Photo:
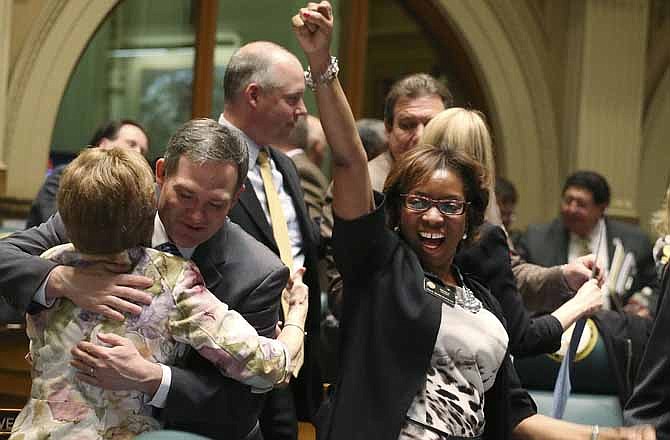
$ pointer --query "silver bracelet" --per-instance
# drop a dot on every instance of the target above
(595, 431)
(296, 326)
(330, 74)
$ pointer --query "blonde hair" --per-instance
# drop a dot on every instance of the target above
(107, 200)
(463, 129)
(660, 220)
(466, 130)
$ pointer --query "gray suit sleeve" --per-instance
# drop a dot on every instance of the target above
(22, 271)
(45, 204)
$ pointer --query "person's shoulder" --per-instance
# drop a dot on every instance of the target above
(241, 246)
(308, 169)
(488, 230)
(544, 228)
(617, 226)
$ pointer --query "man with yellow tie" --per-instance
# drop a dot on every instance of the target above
(263, 87)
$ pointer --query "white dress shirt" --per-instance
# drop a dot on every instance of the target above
(290, 214)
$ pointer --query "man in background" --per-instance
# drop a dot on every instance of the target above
(312, 180)
(263, 88)
(410, 104)
(317, 146)
(577, 232)
(507, 198)
(373, 135)
(124, 133)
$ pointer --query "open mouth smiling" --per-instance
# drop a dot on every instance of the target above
(431, 240)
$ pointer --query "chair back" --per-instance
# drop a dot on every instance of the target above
(594, 398)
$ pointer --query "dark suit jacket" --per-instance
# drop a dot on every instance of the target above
(547, 245)
(650, 402)
(250, 216)
(314, 185)
(389, 327)
(488, 261)
(236, 268)
(45, 203)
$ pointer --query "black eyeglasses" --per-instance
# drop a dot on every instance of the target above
(418, 203)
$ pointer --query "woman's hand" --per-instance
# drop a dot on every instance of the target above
(313, 27)
(640, 432)
(587, 301)
(589, 297)
(579, 271)
(293, 332)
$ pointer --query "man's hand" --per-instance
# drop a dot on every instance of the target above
(579, 271)
(99, 289)
(296, 296)
(118, 367)
(313, 27)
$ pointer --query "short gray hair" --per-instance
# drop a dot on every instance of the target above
(252, 63)
(205, 140)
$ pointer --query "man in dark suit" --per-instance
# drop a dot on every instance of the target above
(263, 88)
(125, 133)
(200, 180)
(586, 195)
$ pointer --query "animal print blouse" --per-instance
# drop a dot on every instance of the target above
(183, 312)
(470, 347)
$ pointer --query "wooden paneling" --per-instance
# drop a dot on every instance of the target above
(203, 77)
(353, 51)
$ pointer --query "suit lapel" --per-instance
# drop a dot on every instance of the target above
(249, 202)
(610, 241)
(209, 255)
(557, 243)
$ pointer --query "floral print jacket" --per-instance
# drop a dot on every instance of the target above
(183, 312)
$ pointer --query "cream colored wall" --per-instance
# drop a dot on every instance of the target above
(508, 48)
(51, 36)
(655, 161)
(564, 101)
(5, 34)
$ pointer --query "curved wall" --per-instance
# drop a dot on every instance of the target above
(39, 77)
(655, 162)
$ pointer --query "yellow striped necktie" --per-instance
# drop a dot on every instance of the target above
(279, 231)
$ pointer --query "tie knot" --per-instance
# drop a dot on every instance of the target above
(169, 248)
(584, 246)
(263, 157)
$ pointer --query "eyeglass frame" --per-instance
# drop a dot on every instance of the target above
(435, 203)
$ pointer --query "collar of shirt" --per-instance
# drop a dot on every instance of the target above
(254, 148)
(594, 235)
(294, 152)
(160, 236)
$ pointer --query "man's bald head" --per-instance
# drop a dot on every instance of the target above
(255, 63)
